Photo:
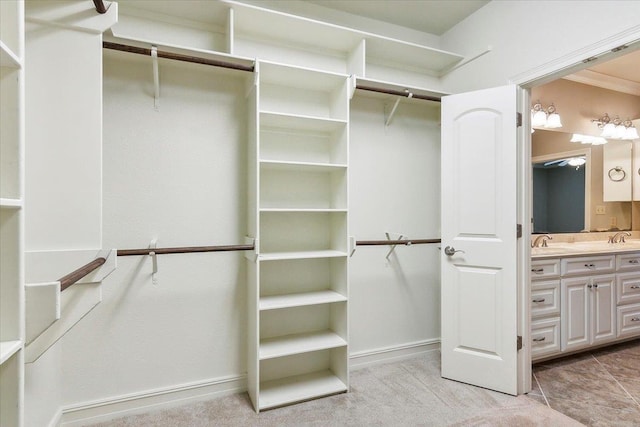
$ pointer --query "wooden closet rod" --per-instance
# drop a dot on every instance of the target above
(73, 277)
(399, 93)
(176, 56)
(184, 250)
(407, 242)
(100, 6)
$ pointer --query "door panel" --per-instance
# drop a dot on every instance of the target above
(479, 188)
(604, 314)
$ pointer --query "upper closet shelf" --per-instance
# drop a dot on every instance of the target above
(10, 203)
(8, 58)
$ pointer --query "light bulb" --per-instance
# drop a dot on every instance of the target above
(577, 161)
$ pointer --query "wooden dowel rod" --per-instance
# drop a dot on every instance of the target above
(73, 277)
(396, 242)
(185, 250)
(177, 56)
(100, 6)
(399, 93)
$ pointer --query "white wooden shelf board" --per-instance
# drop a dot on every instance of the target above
(271, 25)
(299, 388)
(405, 54)
(382, 84)
(299, 343)
(301, 166)
(302, 210)
(274, 302)
(182, 50)
(299, 77)
(8, 349)
(8, 58)
(6, 203)
(299, 122)
(276, 256)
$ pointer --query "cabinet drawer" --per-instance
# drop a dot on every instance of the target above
(629, 320)
(628, 262)
(545, 269)
(545, 337)
(545, 298)
(586, 265)
(628, 287)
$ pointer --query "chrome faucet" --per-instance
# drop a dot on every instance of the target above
(541, 241)
(619, 237)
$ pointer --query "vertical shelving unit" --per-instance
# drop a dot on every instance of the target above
(298, 215)
(11, 211)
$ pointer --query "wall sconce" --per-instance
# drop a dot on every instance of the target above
(616, 128)
(548, 118)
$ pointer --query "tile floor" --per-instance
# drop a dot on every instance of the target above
(597, 388)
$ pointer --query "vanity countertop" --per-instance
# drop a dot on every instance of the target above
(557, 250)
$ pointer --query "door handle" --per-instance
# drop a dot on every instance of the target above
(449, 251)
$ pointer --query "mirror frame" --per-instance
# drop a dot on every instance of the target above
(586, 152)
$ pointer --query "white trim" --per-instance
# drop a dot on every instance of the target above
(594, 78)
(55, 421)
(134, 403)
(573, 61)
(364, 359)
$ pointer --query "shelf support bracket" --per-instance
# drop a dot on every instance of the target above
(393, 247)
(465, 61)
(352, 245)
(156, 78)
(154, 260)
(388, 117)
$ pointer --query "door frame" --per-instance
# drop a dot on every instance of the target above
(577, 60)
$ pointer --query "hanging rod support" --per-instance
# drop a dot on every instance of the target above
(100, 8)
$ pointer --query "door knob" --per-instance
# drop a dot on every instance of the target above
(451, 250)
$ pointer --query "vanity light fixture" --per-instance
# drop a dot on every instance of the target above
(616, 128)
(546, 118)
(577, 161)
(588, 139)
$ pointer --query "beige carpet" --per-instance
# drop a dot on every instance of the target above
(404, 393)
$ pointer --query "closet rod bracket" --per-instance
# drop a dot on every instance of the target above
(156, 78)
(393, 246)
(154, 260)
(388, 117)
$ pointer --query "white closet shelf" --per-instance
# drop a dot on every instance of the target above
(299, 343)
(292, 76)
(8, 58)
(302, 210)
(274, 302)
(301, 166)
(402, 54)
(276, 256)
(299, 388)
(275, 119)
(8, 349)
(6, 203)
(382, 84)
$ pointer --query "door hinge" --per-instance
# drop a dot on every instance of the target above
(518, 119)
(518, 231)
(519, 343)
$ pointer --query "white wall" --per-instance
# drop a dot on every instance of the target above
(527, 34)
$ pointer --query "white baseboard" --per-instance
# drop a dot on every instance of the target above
(364, 359)
(136, 403)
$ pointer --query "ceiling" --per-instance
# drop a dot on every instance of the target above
(429, 16)
(619, 74)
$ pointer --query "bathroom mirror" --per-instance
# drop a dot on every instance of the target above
(566, 198)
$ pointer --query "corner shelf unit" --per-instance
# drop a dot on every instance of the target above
(11, 212)
(298, 216)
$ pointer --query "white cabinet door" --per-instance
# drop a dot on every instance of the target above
(479, 283)
(574, 314)
(603, 313)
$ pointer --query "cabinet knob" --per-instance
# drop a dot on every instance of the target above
(590, 265)
(539, 300)
(634, 287)
(589, 286)
(595, 285)
(537, 270)
(539, 339)
(635, 319)
(633, 261)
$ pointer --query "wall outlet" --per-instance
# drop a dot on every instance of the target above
(600, 210)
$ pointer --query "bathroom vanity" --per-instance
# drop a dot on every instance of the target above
(583, 294)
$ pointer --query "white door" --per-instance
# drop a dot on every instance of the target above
(479, 208)
(603, 320)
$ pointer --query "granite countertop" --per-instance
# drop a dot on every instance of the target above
(557, 250)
